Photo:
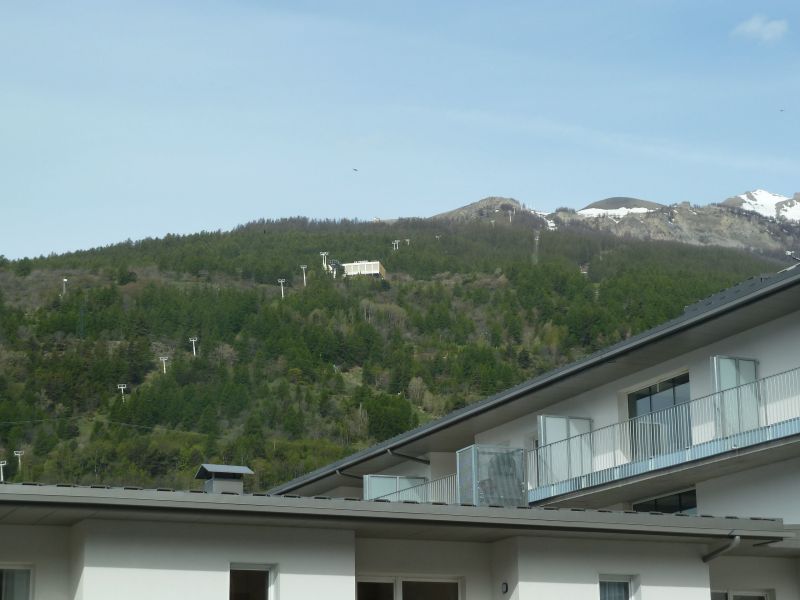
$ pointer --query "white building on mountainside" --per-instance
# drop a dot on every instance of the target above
(364, 267)
(595, 481)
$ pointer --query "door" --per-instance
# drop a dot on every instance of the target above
(565, 449)
(738, 405)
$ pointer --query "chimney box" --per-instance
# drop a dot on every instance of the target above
(222, 478)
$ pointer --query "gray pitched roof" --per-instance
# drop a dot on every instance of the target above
(208, 470)
(742, 294)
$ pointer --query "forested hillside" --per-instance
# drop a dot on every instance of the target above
(286, 385)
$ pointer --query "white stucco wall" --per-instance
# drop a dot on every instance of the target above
(45, 550)
(442, 464)
(560, 569)
(505, 569)
(155, 560)
(769, 491)
(746, 573)
(468, 562)
(131, 561)
(409, 468)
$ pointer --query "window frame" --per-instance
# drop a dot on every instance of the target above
(269, 568)
(22, 566)
(755, 594)
(653, 381)
(729, 417)
(715, 370)
(646, 436)
(631, 580)
(397, 581)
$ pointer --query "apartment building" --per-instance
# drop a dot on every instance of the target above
(698, 416)
(666, 466)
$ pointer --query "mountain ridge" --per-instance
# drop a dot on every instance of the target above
(757, 221)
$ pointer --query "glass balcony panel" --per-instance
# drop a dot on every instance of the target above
(492, 475)
(379, 485)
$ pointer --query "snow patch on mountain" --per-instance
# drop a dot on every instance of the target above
(613, 212)
(761, 201)
(619, 207)
(551, 225)
(790, 208)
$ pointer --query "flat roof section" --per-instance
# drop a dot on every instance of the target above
(27, 504)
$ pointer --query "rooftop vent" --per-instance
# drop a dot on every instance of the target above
(222, 478)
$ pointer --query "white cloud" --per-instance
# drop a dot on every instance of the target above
(760, 28)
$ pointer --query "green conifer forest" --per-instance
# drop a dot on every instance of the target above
(287, 385)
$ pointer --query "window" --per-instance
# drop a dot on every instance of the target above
(375, 590)
(397, 588)
(683, 502)
(739, 595)
(615, 588)
(429, 590)
(662, 421)
(664, 394)
(249, 582)
(15, 584)
(376, 486)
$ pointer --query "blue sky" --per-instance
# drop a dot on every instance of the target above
(134, 119)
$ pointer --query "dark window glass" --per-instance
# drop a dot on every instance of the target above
(682, 393)
(669, 504)
(639, 402)
(615, 590)
(374, 590)
(672, 503)
(248, 585)
(430, 590)
(15, 584)
(688, 501)
(646, 506)
(658, 397)
(663, 396)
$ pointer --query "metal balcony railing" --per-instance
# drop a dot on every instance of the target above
(766, 409)
(443, 490)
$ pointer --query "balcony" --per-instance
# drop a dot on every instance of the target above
(766, 410)
(438, 491)
(751, 414)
